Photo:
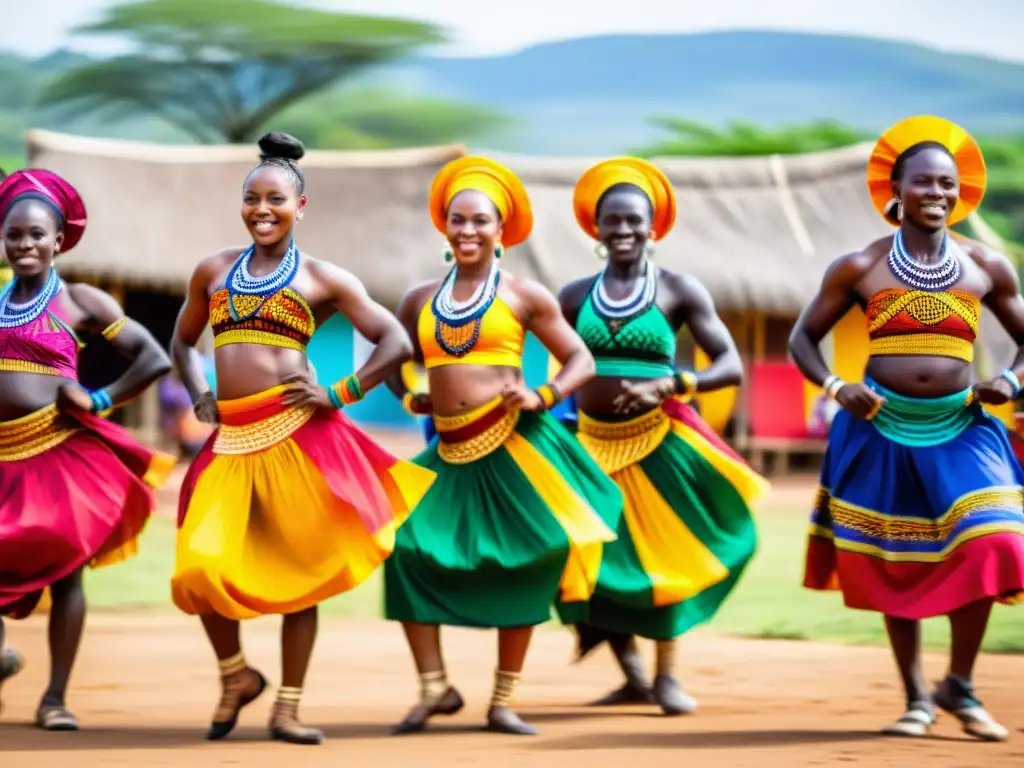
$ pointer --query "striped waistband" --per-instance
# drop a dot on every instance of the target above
(615, 445)
(12, 365)
(257, 422)
(917, 421)
(472, 435)
(34, 433)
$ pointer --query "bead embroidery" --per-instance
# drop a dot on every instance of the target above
(12, 315)
(247, 293)
(617, 313)
(925, 277)
(457, 324)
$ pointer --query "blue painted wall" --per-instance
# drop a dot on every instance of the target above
(336, 351)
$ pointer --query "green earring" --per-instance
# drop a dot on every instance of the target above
(448, 255)
(498, 251)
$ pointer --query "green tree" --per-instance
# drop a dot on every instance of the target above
(1003, 207)
(381, 119)
(221, 69)
(739, 138)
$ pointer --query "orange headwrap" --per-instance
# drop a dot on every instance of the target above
(625, 170)
(498, 183)
(914, 130)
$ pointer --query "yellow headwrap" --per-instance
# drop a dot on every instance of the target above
(498, 183)
(625, 170)
(899, 138)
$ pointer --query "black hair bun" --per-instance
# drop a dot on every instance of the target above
(281, 145)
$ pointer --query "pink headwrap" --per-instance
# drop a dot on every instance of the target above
(50, 188)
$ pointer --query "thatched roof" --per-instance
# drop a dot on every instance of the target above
(756, 231)
(155, 210)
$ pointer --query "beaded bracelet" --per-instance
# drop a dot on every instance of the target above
(101, 400)
(685, 383)
(345, 392)
(549, 395)
(1011, 377)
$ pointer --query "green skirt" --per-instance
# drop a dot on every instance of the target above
(505, 533)
(687, 532)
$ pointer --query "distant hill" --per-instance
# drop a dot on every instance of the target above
(597, 95)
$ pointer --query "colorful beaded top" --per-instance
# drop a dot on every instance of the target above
(914, 322)
(262, 310)
(481, 331)
(34, 337)
(631, 338)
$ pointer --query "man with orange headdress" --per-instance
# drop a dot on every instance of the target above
(687, 532)
(921, 506)
(518, 513)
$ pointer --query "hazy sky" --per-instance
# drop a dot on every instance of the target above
(994, 27)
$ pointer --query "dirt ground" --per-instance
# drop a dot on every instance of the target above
(145, 687)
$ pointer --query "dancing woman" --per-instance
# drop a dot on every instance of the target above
(687, 532)
(75, 489)
(288, 503)
(518, 513)
(921, 509)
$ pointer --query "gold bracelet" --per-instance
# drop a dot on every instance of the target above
(110, 332)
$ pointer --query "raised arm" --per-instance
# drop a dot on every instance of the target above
(834, 299)
(104, 316)
(1006, 303)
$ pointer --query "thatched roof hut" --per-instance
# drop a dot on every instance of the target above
(759, 232)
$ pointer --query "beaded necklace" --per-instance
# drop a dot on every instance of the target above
(246, 293)
(13, 315)
(925, 277)
(616, 313)
(457, 323)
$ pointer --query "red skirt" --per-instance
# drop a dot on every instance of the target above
(75, 490)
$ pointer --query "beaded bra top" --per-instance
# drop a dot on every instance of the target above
(631, 337)
(905, 321)
(927, 318)
(481, 331)
(35, 337)
(262, 310)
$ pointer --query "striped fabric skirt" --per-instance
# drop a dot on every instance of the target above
(517, 519)
(687, 532)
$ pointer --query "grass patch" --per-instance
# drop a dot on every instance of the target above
(768, 603)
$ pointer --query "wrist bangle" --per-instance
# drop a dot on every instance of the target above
(409, 403)
(346, 392)
(1011, 377)
(549, 395)
(832, 385)
(684, 383)
(101, 400)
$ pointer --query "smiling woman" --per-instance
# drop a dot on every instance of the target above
(920, 511)
(75, 489)
(288, 503)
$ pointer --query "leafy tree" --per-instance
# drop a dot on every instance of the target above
(374, 119)
(739, 138)
(1003, 208)
(220, 69)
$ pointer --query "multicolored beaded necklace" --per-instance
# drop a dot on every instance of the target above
(457, 323)
(12, 315)
(246, 293)
(925, 277)
(616, 313)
